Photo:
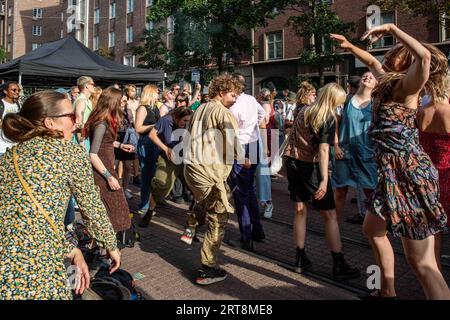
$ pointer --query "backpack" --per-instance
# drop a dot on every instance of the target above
(116, 286)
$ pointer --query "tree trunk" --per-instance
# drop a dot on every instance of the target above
(321, 76)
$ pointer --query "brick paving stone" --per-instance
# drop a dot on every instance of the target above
(177, 263)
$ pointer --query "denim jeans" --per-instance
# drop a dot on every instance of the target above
(148, 154)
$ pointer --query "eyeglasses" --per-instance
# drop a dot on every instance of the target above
(181, 101)
(71, 115)
(15, 90)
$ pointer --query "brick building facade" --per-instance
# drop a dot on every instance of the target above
(114, 27)
(278, 48)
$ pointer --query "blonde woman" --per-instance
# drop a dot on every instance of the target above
(306, 95)
(95, 96)
(307, 156)
(146, 117)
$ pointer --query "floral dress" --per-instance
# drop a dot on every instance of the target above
(407, 192)
(31, 253)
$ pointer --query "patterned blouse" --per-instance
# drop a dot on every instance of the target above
(31, 254)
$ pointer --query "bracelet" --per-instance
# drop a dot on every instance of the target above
(120, 145)
(106, 174)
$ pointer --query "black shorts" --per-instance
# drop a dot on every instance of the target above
(304, 180)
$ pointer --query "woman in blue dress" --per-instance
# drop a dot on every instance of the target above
(355, 164)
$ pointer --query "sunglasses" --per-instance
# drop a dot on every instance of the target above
(71, 115)
(14, 90)
(181, 100)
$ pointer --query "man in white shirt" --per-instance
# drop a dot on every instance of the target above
(249, 114)
(9, 104)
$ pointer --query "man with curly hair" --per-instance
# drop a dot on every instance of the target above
(213, 132)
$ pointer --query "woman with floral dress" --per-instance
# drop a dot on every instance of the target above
(406, 198)
(48, 166)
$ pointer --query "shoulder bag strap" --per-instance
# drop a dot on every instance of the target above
(30, 194)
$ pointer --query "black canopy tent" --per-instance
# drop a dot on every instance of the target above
(61, 62)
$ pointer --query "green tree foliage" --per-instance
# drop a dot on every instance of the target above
(208, 33)
(153, 52)
(106, 53)
(3, 54)
(417, 7)
(314, 22)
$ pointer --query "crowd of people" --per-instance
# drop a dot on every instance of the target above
(387, 136)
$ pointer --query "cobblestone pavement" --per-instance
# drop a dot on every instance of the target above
(169, 266)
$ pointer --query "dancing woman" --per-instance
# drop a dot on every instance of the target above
(406, 199)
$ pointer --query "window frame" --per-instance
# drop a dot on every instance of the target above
(274, 43)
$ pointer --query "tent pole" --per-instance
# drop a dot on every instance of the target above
(20, 77)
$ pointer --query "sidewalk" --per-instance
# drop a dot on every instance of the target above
(169, 266)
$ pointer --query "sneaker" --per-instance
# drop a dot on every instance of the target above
(208, 275)
(268, 210)
(128, 194)
(188, 235)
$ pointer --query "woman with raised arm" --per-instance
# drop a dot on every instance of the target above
(406, 199)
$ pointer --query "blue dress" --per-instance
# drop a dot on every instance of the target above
(358, 168)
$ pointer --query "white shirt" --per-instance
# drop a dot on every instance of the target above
(9, 108)
(248, 113)
(288, 109)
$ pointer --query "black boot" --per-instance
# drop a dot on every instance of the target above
(341, 270)
(247, 245)
(146, 219)
(302, 263)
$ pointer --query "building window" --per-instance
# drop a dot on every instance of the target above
(97, 16)
(112, 10)
(129, 34)
(130, 6)
(9, 28)
(34, 46)
(112, 39)
(96, 43)
(129, 60)
(148, 3)
(9, 11)
(386, 41)
(9, 47)
(37, 13)
(37, 31)
(149, 25)
(170, 24)
(274, 45)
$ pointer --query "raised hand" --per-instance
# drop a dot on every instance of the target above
(343, 42)
(376, 33)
